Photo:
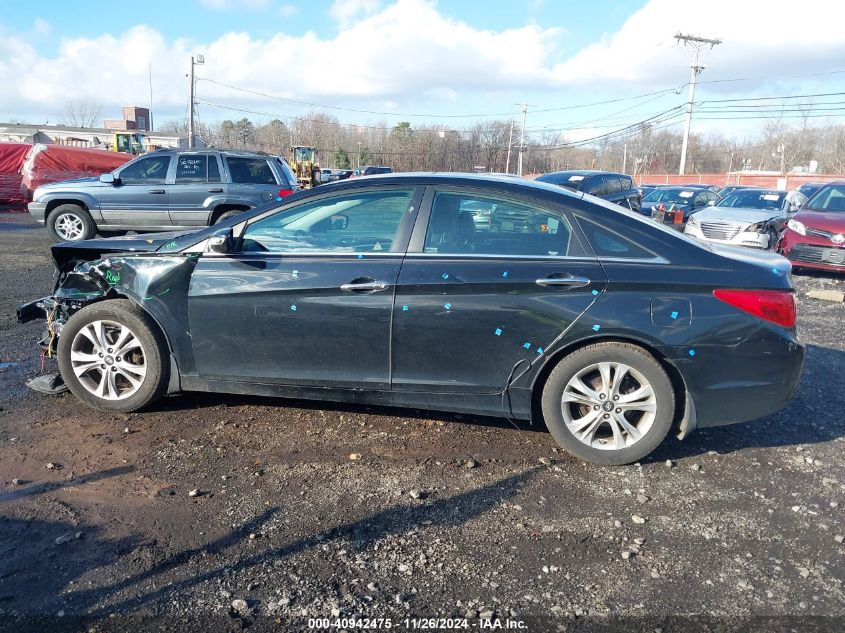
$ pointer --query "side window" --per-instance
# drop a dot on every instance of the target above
(701, 199)
(191, 168)
(465, 223)
(595, 186)
(254, 171)
(360, 222)
(614, 184)
(626, 183)
(150, 170)
(213, 169)
(607, 243)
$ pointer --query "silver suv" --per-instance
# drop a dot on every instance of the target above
(164, 190)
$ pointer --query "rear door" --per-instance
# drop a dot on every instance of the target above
(197, 179)
(139, 198)
(475, 301)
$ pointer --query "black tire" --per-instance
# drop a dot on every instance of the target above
(153, 347)
(228, 214)
(88, 230)
(613, 352)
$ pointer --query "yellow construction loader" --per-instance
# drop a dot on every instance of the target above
(305, 166)
(129, 142)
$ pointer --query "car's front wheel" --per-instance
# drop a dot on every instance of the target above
(70, 223)
(609, 403)
(113, 357)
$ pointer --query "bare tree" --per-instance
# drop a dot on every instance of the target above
(82, 113)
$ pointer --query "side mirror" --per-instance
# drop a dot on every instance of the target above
(108, 179)
(221, 242)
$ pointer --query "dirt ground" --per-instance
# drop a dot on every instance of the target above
(735, 528)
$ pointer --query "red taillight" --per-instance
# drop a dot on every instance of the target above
(285, 192)
(777, 306)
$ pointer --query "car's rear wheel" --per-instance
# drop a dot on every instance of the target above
(113, 357)
(70, 223)
(609, 403)
(228, 214)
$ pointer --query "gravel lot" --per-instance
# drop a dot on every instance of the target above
(310, 511)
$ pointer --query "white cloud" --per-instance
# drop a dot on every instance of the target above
(772, 39)
(409, 53)
(346, 11)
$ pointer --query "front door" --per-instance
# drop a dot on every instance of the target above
(308, 299)
(139, 195)
(489, 283)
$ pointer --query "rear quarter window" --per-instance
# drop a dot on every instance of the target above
(255, 171)
(609, 243)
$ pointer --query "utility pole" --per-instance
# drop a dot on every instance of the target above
(521, 138)
(200, 59)
(624, 157)
(510, 144)
(695, 69)
(150, 122)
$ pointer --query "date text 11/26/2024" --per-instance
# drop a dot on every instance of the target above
(418, 624)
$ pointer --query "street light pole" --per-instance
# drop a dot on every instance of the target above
(200, 59)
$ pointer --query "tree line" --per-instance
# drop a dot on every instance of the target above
(647, 149)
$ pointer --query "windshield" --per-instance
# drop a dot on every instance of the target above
(753, 199)
(831, 198)
(676, 196)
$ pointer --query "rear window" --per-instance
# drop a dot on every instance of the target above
(676, 196)
(255, 171)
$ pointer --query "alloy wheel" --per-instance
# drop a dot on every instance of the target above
(69, 227)
(608, 406)
(108, 359)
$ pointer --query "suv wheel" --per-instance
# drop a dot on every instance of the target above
(70, 223)
(609, 403)
(113, 357)
(228, 214)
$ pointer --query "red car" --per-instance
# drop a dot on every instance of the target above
(815, 236)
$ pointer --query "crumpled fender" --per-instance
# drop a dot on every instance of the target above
(149, 281)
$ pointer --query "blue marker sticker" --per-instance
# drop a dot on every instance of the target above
(448, 306)
(505, 274)
(498, 331)
(539, 350)
(674, 314)
(360, 256)
(776, 271)
(278, 198)
(293, 308)
(404, 308)
(595, 292)
(596, 328)
(445, 275)
(527, 345)
(691, 352)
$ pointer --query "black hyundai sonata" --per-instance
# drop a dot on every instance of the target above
(388, 290)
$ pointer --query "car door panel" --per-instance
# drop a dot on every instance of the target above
(466, 322)
(285, 319)
(319, 318)
(196, 182)
(138, 202)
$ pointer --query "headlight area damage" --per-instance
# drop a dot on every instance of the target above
(146, 279)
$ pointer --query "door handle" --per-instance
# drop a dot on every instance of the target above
(215, 190)
(366, 286)
(569, 281)
(156, 191)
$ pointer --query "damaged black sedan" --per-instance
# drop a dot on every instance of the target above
(388, 290)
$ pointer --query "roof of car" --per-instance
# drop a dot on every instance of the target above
(582, 172)
(465, 178)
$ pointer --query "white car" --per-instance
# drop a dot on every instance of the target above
(747, 217)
